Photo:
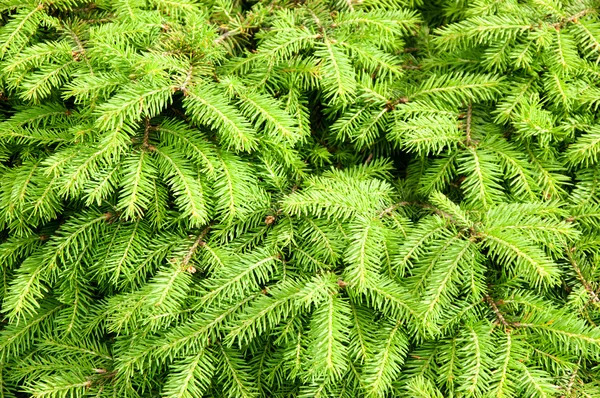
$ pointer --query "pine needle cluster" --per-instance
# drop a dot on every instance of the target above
(280, 198)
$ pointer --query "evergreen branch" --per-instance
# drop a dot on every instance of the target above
(190, 377)
(339, 81)
(530, 261)
(318, 199)
(209, 106)
(17, 32)
(188, 191)
(584, 282)
(18, 338)
(379, 372)
(134, 102)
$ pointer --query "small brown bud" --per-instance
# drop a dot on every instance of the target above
(342, 284)
(269, 220)
(191, 269)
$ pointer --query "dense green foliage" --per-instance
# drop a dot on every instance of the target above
(321, 198)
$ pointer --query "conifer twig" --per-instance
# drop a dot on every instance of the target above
(199, 242)
(81, 48)
(573, 18)
(188, 78)
(569, 386)
(146, 140)
(584, 282)
(437, 211)
(496, 310)
(468, 126)
(225, 35)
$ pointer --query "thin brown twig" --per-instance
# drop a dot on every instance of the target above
(198, 242)
(468, 127)
(393, 207)
(147, 132)
(437, 211)
(188, 78)
(573, 18)
(146, 141)
(581, 278)
(499, 315)
(81, 51)
(569, 386)
(224, 36)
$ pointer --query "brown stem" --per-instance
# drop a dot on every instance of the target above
(147, 133)
(198, 242)
(81, 51)
(468, 127)
(580, 276)
(393, 207)
(573, 18)
(225, 35)
(317, 21)
(423, 205)
(188, 78)
(569, 386)
(499, 315)
(146, 141)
